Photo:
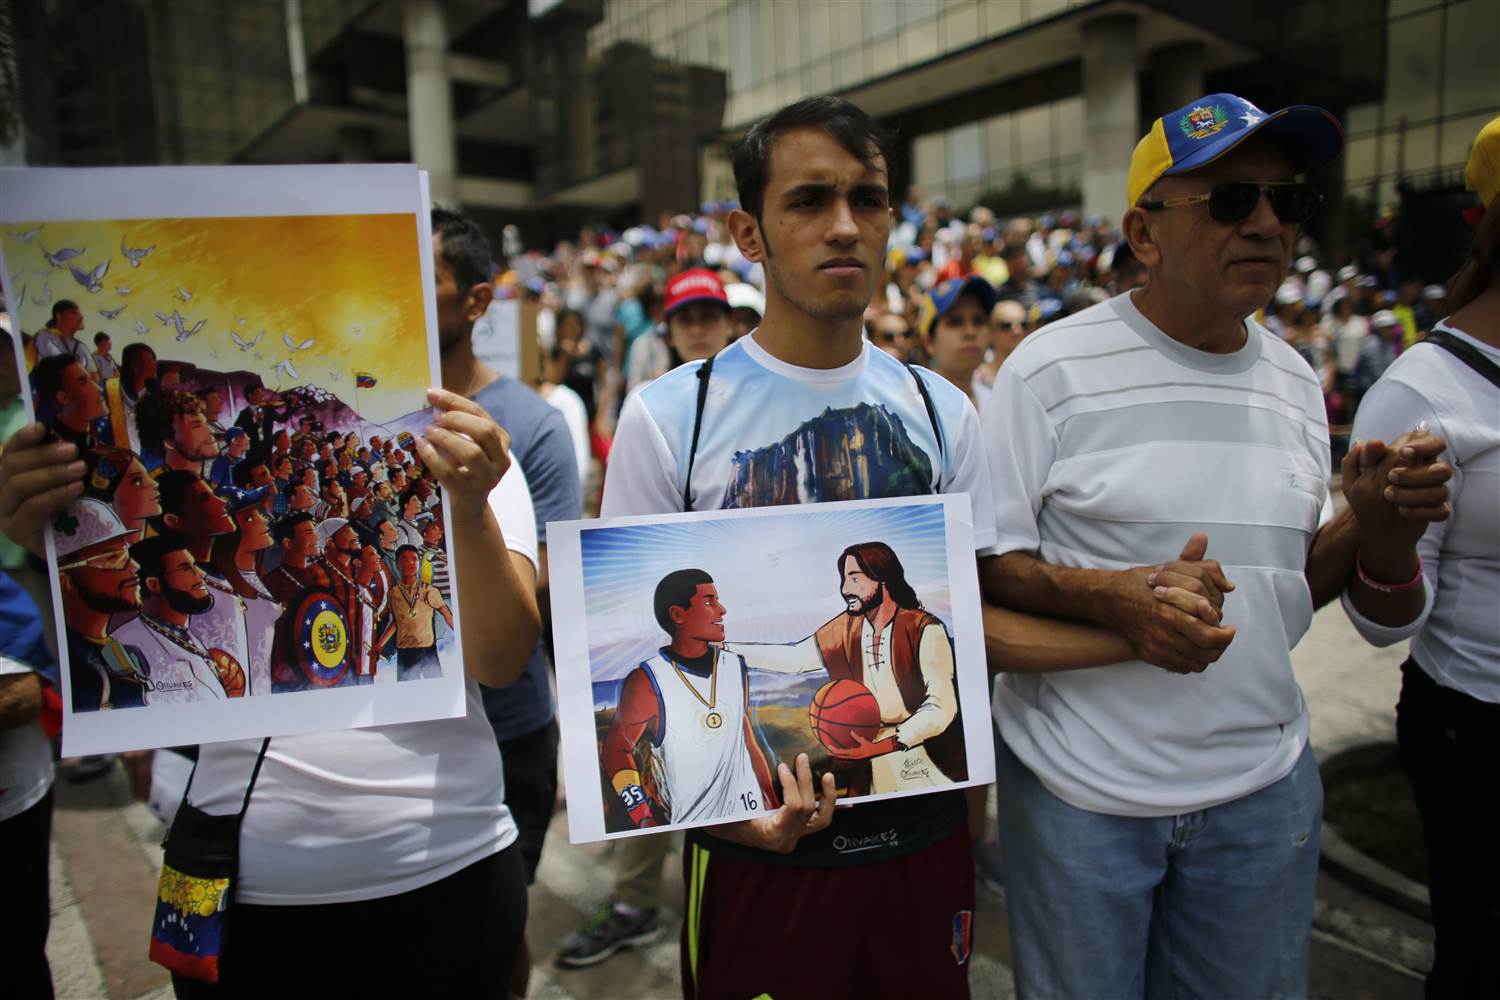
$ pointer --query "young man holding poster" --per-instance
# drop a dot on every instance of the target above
(815, 194)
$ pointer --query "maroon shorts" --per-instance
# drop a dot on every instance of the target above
(901, 927)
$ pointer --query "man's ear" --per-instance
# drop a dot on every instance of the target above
(678, 615)
(477, 301)
(1136, 228)
(745, 231)
(172, 521)
(152, 584)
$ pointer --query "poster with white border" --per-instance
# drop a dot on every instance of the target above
(697, 651)
(242, 362)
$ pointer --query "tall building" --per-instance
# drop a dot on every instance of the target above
(548, 113)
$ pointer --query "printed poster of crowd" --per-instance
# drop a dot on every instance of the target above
(255, 519)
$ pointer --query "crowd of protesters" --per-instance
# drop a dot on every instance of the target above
(1138, 703)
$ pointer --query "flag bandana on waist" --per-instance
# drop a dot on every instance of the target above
(186, 932)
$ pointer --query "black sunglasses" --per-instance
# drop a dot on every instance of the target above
(1293, 201)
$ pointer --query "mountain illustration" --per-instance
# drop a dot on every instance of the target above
(853, 453)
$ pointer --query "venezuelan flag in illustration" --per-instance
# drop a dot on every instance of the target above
(185, 933)
(364, 380)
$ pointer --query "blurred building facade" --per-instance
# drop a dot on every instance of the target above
(551, 112)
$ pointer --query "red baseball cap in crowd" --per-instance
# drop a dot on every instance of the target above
(696, 285)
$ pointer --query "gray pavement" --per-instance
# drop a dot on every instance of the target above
(106, 853)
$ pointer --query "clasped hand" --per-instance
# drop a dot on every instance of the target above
(1171, 615)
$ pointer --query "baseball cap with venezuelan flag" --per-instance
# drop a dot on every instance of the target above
(1196, 134)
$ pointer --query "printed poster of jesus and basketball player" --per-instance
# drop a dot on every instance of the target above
(241, 357)
(713, 645)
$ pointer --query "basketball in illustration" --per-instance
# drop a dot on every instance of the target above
(840, 709)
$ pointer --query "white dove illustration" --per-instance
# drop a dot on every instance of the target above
(123, 290)
(295, 347)
(244, 344)
(165, 319)
(112, 313)
(45, 299)
(184, 331)
(91, 280)
(134, 255)
(184, 294)
(62, 256)
(142, 328)
(25, 237)
(286, 369)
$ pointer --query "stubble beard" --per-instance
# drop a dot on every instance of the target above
(825, 311)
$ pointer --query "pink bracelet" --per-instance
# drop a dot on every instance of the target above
(1388, 588)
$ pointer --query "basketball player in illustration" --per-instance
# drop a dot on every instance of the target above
(691, 701)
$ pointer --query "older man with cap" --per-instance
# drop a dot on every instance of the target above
(98, 580)
(1161, 813)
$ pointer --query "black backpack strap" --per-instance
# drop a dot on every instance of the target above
(937, 428)
(703, 375)
(1465, 352)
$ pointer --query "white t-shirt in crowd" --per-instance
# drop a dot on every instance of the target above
(1457, 637)
(25, 758)
(570, 405)
(1348, 334)
(772, 434)
(367, 813)
(1110, 444)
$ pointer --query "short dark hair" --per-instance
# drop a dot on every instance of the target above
(841, 120)
(288, 524)
(402, 550)
(61, 306)
(150, 553)
(240, 474)
(878, 561)
(463, 247)
(47, 378)
(156, 411)
(676, 590)
(100, 338)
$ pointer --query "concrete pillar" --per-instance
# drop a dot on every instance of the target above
(356, 144)
(1111, 101)
(429, 101)
(1176, 76)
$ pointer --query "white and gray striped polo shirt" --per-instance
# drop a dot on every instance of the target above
(1110, 444)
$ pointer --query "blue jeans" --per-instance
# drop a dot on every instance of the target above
(1213, 903)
